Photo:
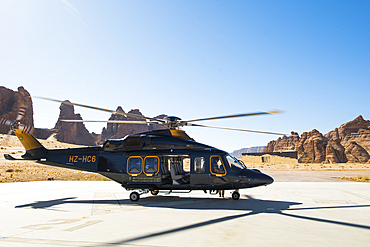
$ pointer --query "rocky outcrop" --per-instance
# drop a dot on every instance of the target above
(42, 133)
(357, 130)
(75, 133)
(311, 146)
(356, 154)
(313, 143)
(335, 152)
(120, 130)
(348, 143)
(285, 143)
(10, 102)
(269, 147)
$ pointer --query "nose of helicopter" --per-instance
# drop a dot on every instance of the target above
(267, 179)
(258, 179)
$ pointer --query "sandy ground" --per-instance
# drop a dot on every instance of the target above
(23, 171)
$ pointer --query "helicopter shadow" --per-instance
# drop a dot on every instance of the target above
(254, 206)
(176, 202)
(248, 206)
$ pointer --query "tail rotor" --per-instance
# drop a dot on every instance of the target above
(21, 112)
(16, 124)
(4, 121)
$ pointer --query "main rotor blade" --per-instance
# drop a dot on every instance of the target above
(233, 116)
(108, 121)
(225, 128)
(102, 109)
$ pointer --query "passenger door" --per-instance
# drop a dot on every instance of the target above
(199, 177)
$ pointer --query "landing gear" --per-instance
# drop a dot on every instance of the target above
(235, 195)
(154, 192)
(134, 196)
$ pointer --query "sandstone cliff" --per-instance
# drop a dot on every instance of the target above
(120, 130)
(75, 133)
(335, 152)
(348, 143)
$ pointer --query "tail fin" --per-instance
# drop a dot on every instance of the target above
(34, 149)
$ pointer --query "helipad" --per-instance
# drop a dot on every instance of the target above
(55, 213)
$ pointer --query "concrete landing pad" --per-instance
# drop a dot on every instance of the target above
(90, 213)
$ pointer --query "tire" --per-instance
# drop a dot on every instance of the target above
(235, 195)
(134, 196)
(154, 192)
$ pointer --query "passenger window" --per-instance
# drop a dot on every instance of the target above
(217, 166)
(199, 165)
(134, 165)
(186, 164)
(151, 165)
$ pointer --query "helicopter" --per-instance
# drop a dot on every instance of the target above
(164, 160)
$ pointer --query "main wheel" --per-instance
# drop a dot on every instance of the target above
(134, 196)
(235, 195)
(154, 192)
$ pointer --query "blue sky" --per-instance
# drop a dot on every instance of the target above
(193, 59)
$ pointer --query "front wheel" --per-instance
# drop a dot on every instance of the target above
(134, 196)
(235, 195)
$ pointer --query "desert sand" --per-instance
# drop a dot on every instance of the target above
(24, 171)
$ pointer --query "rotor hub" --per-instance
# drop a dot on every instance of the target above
(173, 122)
(15, 125)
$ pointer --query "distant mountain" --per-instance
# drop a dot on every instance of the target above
(238, 153)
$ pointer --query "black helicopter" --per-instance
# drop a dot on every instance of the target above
(159, 160)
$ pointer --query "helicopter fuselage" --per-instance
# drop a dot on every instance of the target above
(159, 160)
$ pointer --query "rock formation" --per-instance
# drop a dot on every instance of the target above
(348, 143)
(356, 154)
(284, 143)
(270, 147)
(120, 130)
(75, 133)
(312, 143)
(335, 152)
(10, 102)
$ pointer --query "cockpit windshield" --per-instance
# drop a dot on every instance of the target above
(234, 163)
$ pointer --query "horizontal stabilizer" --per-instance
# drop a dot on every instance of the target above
(9, 157)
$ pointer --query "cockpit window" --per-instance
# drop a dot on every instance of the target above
(234, 163)
(217, 166)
